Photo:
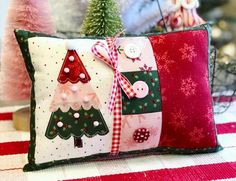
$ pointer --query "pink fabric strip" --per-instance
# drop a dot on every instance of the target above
(120, 81)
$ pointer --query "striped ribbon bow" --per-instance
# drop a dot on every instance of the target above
(119, 82)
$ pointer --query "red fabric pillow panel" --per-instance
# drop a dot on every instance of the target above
(182, 61)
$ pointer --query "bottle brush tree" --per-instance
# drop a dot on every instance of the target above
(102, 19)
(33, 15)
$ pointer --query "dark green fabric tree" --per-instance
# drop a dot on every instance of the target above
(77, 124)
(102, 19)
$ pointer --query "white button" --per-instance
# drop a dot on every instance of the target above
(132, 51)
(82, 75)
(76, 115)
(141, 89)
(66, 70)
(71, 58)
(95, 123)
(60, 124)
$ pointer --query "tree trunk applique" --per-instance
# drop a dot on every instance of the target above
(75, 106)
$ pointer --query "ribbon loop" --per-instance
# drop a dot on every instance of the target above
(120, 81)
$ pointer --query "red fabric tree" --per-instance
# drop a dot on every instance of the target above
(73, 69)
(33, 15)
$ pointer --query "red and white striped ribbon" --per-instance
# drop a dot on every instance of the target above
(120, 81)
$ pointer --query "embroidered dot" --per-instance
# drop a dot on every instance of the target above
(76, 115)
(60, 124)
(63, 96)
(82, 76)
(74, 88)
(71, 58)
(66, 70)
(86, 99)
(95, 123)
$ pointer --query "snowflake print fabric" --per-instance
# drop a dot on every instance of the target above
(188, 87)
(196, 135)
(178, 119)
(164, 62)
(182, 66)
(188, 52)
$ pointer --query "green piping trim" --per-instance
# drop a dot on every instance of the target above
(122, 155)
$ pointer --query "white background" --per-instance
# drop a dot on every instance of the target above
(3, 10)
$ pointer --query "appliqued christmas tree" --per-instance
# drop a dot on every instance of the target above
(75, 106)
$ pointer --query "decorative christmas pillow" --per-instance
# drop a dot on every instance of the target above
(95, 99)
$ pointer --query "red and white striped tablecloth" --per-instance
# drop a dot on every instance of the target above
(214, 166)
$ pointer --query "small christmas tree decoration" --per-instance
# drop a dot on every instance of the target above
(32, 15)
(102, 19)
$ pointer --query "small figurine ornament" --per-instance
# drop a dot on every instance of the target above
(184, 16)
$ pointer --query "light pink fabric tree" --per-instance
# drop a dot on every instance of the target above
(31, 15)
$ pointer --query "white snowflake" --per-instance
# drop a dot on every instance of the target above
(188, 87)
(196, 135)
(164, 62)
(188, 52)
(178, 119)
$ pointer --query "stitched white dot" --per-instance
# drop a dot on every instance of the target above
(71, 58)
(76, 115)
(60, 124)
(82, 75)
(95, 123)
(66, 70)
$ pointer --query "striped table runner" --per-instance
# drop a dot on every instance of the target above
(215, 166)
